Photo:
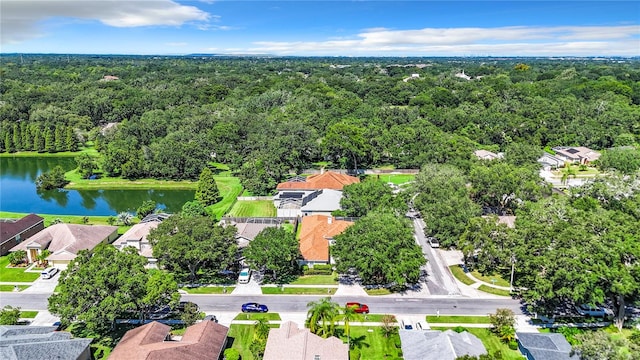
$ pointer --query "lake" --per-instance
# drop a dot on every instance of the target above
(18, 192)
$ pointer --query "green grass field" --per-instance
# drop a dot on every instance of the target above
(15, 274)
(10, 288)
(88, 149)
(375, 292)
(76, 182)
(491, 342)
(230, 188)
(297, 291)
(28, 314)
(489, 279)
(209, 290)
(69, 219)
(316, 280)
(253, 208)
(371, 344)
(455, 319)
(241, 337)
(256, 316)
(494, 291)
(459, 274)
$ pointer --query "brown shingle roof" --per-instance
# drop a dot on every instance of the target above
(314, 234)
(291, 343)
(327, 180)
(202, 341)
(9, 229)
(69, 237)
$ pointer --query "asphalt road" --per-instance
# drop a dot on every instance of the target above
(293, 303)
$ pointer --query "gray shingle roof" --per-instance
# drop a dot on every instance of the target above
(40, 342)
(551, 346)
(438, 345)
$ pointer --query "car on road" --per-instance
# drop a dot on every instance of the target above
(48, 273)
(358, 307)
(433, 242)
(595, 311)
(245, 276)
(254, 307)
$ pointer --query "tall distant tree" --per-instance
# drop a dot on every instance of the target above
(95, 289)
(207, 192)
(17, 138)
(38, 139)
(71, 140)
(347, 140)
(627, 161)
(276, 250)
(59, 138)
(86, 165)
(8, 143)
(27, 140)
(194, 248)
(49, 141)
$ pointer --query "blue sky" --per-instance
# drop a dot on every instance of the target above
(319, 28)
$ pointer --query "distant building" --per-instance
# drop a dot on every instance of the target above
(109, 78)
(292, 343)
(576, 154)
(439, 345)
(13, 231)
(19, 342)
(316, 235)
(203, 341)
(136, 237)
(487, 155)
(550, 162)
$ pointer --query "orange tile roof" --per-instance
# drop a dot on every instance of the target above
(327, 180)
(314, 234)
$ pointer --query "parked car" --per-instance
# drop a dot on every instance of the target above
(159, 312)
(406, 324)
(254, 307)
(57, 325)
(210, 318)
(245, 276)
(358, 307)
(433, 242)
(48, 273)
(595, 311)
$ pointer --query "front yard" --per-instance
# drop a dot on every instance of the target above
(316, 280)
(11, 274)
(209, 290)
(275, 290)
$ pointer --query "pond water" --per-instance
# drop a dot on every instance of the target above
(18, 192)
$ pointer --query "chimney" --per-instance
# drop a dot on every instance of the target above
(329, 220)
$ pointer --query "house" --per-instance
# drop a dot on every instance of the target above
(247, 231)
(109, 78)
(292, 343)
(316, 234)
(508, 220)
(65, 240)
(13, 231)
(576, 154)
(19, 342)
(549, 161)
(299, 192)
(203, 341)
(137, 237)
(487, 155)
(549, 346)
(439, 345)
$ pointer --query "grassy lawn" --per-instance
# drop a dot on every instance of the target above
(10, 288)
(371, 344)
(68, 219)
(297, 291)
(209, 290)
(454, 319)
(240, 338)
(288, 227)
(491, 342)
(489, 278)
(28, 314)
(494, 291)
(397, 179)
(368, 318)
(253, 208)
(14, 274)
(230, 188)
(78, 183)
(590, 171)
(378, 291)
(256, 316)
(316, 280)
(458, 272)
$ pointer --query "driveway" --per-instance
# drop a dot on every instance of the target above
(43, 286)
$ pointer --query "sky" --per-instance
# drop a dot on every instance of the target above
(322, 28)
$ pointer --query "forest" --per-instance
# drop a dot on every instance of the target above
(167, 117)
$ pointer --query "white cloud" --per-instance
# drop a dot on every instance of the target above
(514, 40)
(20, 18)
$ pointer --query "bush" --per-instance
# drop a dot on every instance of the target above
(231, 354)
(17, 257)
(354, 354)
(459, 329)
(318, 270)
(513, 345)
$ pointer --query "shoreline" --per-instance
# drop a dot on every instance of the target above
(49, 219)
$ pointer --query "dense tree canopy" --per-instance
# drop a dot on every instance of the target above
(360, 198)
(275, 250)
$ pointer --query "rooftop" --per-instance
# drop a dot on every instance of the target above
(327, 180)
(19, 342)
(12, 227)
(315, 232)
(292, 343)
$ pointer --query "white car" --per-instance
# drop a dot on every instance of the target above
(433, 242)
(245, 276)
(48, 273)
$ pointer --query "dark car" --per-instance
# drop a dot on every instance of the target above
(183, 305)
(254, 307)
(159, 312)
(359, 308)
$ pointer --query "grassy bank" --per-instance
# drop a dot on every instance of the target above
(494, 291)
(50, 219)
(83, 150)
(494, 279)
(76, 182)
(256, 316)
(230, 188)
(269, 290)
(459, 274)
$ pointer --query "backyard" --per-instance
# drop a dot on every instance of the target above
(253, 208)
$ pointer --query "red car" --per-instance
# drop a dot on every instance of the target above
(358, 308)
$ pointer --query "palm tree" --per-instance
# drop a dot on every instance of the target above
(348, 314)
(321, 317)
(568, 171)
(261, 329)
(125, 218)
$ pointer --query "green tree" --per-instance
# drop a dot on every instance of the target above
(627, 161)
(360, 198)
(8, 143)
(231, 354)
(347, 140)
(53, 179)
(275, 250)
(388, 327)
(147, 207)
(190, 315)
(443, 200)
(207, 192)
(192, 209)
(59, 138)
(95, 290)
(381, 247)
(125, 218)
(597, 345)
(9, 315)
(17, 257)
(71, 140)
(194, 248)
(38, 139)
(503, 322)
(321, 317)
(261, 329)
(486, 245)
(49, 141)
(348, 313)
(86, 165)
(17, 138)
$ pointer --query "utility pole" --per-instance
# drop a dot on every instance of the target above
(513, 266)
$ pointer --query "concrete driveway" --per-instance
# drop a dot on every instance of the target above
(43, 286)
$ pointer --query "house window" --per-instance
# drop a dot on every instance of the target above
(18, 238)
